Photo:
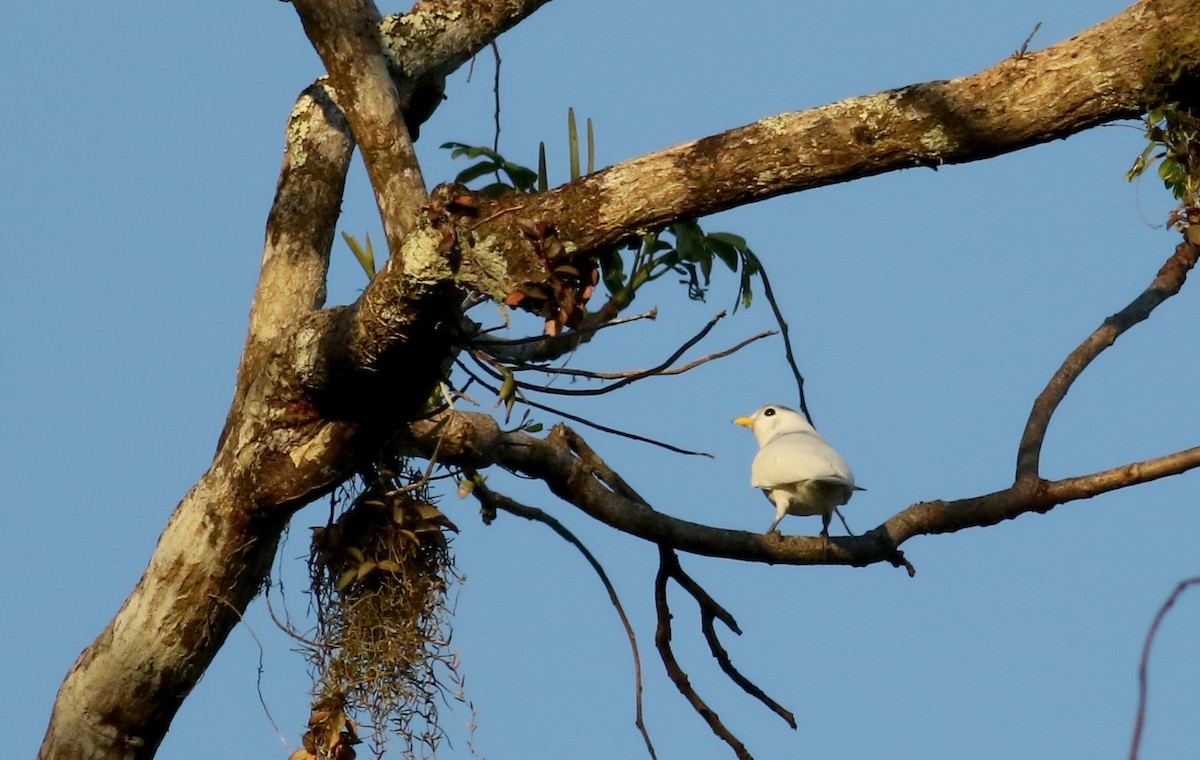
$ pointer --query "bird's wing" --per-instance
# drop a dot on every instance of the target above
(795, 457)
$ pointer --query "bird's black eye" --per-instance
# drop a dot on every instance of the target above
(770, 412)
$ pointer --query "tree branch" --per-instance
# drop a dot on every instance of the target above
(345, 34)
(300, 227)
(1144, 666)
(1167, 283)
(579, 478)
(710, 610)
(1114, 70)
(437, 36)
(667, 564)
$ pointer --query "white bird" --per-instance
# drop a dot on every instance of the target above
(798, 471)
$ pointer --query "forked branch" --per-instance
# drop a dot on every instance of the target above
(711, 611)
(667, 562)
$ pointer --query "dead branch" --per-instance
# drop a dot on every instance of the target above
(623, 378)
(492, 501)
(547, 348)
(591, 375)
(1144, 665)
(667, 561)
(710, 610)
(1167, 283)
(628, 379)
(787, 342)
(583, 420)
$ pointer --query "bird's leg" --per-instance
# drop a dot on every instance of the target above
(826, 517)
(844, 523)
(781, 510)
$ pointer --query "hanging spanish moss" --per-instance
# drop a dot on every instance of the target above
(381, 574)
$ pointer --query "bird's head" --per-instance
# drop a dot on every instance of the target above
(772, 420)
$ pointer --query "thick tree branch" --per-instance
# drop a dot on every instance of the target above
(161, 641)
(1167, 283)
(1114, 70)
(300, 229)
(345, 34)
(437, 36)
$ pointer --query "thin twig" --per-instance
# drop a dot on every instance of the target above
(424, 480)
(674, 357)
(1144, 667)
(490, 498)
(703, 598)
(589, 423)
(258, 680)
(496, 93)
(1167, 282)
(639, 373)
(667, 561)
(748, 686)
(497, 215)
(1025, 45)
(545, 348)
(787, 341)
(501, 344)
(288, 629)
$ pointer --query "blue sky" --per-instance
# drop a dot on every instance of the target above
(928, 309)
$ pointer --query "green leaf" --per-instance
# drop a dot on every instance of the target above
(591, 139)
(475, 171)
(543, 181)
(612, 270)
(723, 250)
(737, 241)
(750, 267)
(523, 178)
(458, 149)
(573, 143)
(689, 241)
(495, 190)
(366, 257)
(706, 267)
